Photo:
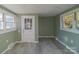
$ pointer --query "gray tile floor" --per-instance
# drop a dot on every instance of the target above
(45, 46)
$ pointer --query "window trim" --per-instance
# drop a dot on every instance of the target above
(73, 29)
(4, 24)
(10, 22)
(2, 32)
(2, 21)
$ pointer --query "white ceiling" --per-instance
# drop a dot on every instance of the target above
(42, 9)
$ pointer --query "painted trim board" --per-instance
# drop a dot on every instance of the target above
(46, 36)
(10, 46)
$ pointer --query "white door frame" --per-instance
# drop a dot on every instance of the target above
(22, 29)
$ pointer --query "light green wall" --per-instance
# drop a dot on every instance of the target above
(9, 36)
(46, 26)
(18, 22)
(63, 35)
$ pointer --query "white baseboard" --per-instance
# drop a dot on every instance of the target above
(5, 51)
(46, 36)
(66, 46)
(11, 45)
(28, 41)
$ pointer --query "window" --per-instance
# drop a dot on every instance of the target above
(1, 21)
(10, 22)
(70, 21)
(7, 23)
(67, 21)
(77, 20)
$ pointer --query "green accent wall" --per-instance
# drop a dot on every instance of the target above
(46, 26)
(67, 37)
(10, 36)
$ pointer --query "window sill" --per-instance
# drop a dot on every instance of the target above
(71, 30)
(9, 30)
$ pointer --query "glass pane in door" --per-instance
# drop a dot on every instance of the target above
(28, 23)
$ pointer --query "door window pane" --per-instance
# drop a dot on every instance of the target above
(28, 23)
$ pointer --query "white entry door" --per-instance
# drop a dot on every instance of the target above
(28, 28)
